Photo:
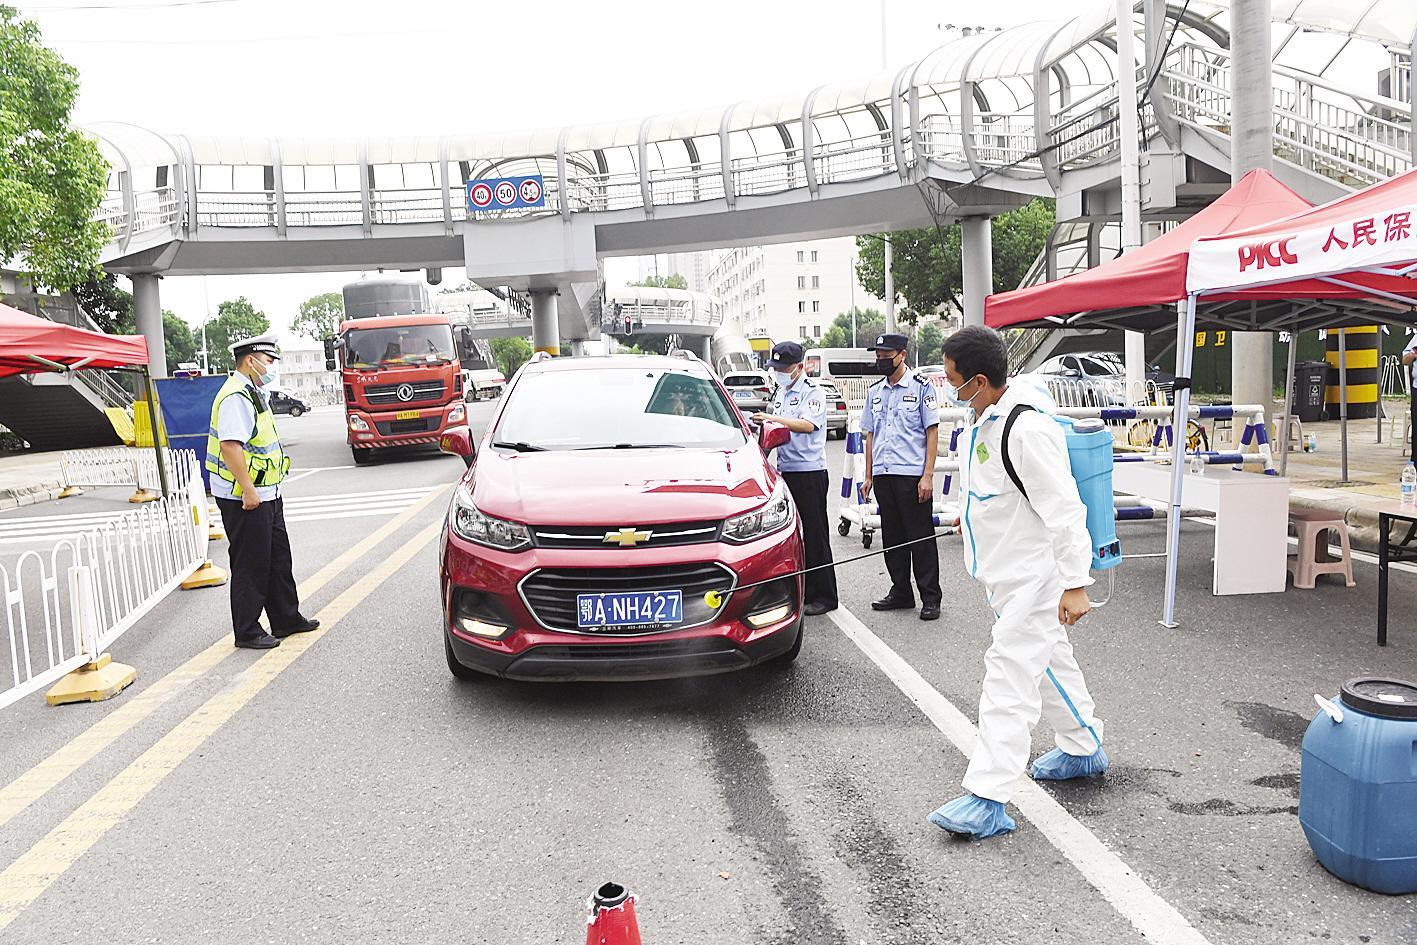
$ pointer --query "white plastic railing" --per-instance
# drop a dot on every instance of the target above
(65, 608)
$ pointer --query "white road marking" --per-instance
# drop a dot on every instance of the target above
(1118, 883)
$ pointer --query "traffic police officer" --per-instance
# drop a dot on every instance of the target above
(901, 421)
(247, 464)
(801, 406)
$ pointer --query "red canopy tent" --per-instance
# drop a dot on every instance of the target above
(29, 344)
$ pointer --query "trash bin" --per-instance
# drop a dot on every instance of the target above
(1310, 379)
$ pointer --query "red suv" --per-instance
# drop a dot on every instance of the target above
(604, 525)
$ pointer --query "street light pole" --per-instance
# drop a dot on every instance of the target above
(853, 302)
(889, 253)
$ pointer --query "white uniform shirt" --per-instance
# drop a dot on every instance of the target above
(1412, 346)
(236, 420)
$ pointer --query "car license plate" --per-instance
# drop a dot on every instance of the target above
(406, 415)
(742, 395)
(643, 609)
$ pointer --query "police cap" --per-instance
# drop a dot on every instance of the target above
(785, 354)
(261, 344)
(890, 342)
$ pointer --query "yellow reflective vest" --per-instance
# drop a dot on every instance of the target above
(265, 460)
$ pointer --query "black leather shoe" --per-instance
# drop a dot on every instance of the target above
(816, 608)
(305, 627)
(892, 603)
(263, 642)
(930, 612)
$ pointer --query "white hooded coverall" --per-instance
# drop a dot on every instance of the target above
(1025, 551)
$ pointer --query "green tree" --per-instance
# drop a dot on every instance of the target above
(181, 345)
(671, 281)
(869, 323)
(926, 262)
(235, 320)
(319, 316)
(102, 300)
(511, 353)
(926, 344)
(52, 177)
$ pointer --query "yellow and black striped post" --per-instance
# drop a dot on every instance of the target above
(1362, 371)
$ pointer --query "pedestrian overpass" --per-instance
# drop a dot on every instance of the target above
(981, 125)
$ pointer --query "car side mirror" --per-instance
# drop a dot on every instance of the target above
(457, 441)
(1073, 373)
(772, 435)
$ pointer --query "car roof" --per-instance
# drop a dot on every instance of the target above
(621, 362)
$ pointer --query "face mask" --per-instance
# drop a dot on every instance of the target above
(885, 366)
(952, 394)
(268, 375)
(783, 378)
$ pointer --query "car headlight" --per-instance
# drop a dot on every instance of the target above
(471, 524)
(457, 414)
(358, 423)
(773, 515)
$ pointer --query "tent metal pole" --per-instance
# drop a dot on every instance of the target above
(1343, 401)
(1185, 348)
(155, 424)
(1288, 406)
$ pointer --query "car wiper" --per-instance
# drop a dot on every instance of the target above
(519, 446)
(633, 446)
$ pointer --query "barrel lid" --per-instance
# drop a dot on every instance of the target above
(1386, 698)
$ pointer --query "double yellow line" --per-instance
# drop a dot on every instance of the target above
(28, 877)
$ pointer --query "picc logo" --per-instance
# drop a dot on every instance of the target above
(1271, 253)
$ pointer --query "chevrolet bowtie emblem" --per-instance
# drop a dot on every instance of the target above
(626, 537)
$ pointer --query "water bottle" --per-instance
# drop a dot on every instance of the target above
(1409, 484)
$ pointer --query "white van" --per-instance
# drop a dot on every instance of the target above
(836, 364)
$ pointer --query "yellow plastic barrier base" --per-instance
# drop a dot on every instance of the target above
(122, 425)
(142, 495)
(208, 575)
(69, 492)
(92, 682)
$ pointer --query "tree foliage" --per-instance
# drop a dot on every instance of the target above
(52, 177)
(511, 353)
(235, 320)
(869, 323)
(319, 316)
(671, 281)
(926, 263)
(102, 300)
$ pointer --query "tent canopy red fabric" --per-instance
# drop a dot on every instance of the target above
(1297, 256)
(1150, 275)
(25, 339)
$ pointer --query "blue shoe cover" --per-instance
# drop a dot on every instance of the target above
(1058, 765)
(971, 816)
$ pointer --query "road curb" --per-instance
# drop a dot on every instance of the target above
(12, 497)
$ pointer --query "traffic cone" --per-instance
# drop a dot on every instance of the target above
(612, 917)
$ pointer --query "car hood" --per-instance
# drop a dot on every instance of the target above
(614, 487)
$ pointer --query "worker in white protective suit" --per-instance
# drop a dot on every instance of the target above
(1031, 550)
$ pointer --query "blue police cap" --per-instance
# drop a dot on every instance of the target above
(890, 341)
(785, 354)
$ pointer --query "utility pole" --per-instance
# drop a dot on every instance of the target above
(889, 253)
(853, 302)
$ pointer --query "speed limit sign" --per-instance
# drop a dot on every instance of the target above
(506, 193)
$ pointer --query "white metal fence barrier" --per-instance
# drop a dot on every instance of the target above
(107, 466)
(64, 609)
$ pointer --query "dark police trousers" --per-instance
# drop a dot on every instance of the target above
(261, 577)
(903, 517)
(809, 494)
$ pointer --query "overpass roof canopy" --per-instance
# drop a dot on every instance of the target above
(1391, 22)
(33, 345)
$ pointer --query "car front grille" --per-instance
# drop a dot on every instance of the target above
(389, 393)
(594, 536)
(550, 593)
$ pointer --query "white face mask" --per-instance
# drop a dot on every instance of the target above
(952, 395)
(783, 378)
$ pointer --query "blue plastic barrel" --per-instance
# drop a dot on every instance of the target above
(1090, 454)
(1358, 785)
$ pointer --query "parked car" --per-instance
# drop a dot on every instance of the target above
(1099, 365)
(750, 390)
(836, 410)
(283, 402)
(610, 503)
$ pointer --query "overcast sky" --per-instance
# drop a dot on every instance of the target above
(369, 67)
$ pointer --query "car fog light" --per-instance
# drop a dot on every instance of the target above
(480, 628)
(767, 618)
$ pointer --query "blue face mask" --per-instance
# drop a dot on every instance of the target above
(952, 395)
(783, 379)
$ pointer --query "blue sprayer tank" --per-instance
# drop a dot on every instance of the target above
(1358, 785)
(1090, 454)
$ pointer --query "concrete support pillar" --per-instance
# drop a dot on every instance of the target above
(1251, 147)
(147, 312)
(976, 265)
(703, 347)
(888, 264)
(545, 327)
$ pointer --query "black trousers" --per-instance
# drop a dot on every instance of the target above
(261, 577)
(809, 493)
(1413, 427)
(903, 517)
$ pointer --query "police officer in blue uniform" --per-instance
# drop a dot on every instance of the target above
(901, 423)
(801, 406)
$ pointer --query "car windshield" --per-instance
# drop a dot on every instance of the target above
(404, 344)
(618, 408)
(1104, 364)
(744, 380)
